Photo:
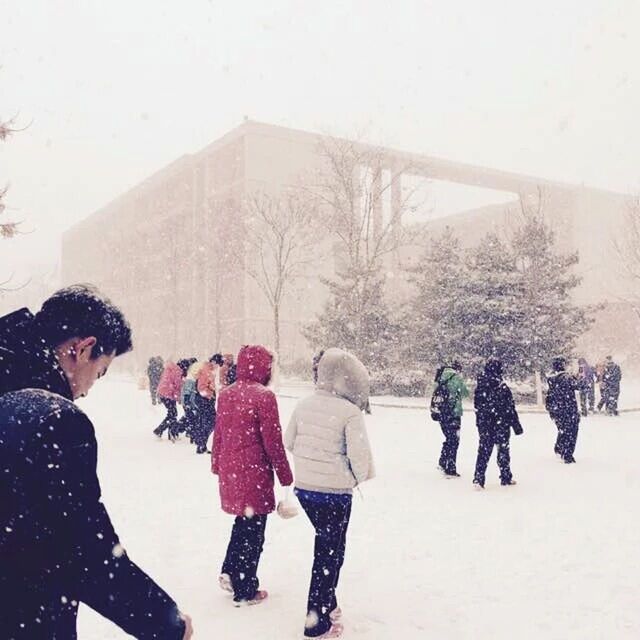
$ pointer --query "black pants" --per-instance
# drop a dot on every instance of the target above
(590, 395)
(243, 556)
(485, 449)
(171, 419)
(205, 423)
(330, 521)
(567, 436)
(153, 388)
(611, 401)
(451, 430)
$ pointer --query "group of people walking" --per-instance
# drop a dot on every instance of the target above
(496, 414)
(327, 437)
(193, 385)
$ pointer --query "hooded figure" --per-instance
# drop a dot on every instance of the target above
(247, 449)
(563, 409)
(495, 417)
(332, 455)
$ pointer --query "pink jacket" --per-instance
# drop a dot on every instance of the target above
(247, 445)
(170, 382)
(206, 380)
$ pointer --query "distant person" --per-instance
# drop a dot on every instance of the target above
(154, 371)
(586, 387)
(446, 408)
(227, 372)
(247, 450)
(602, 386)
(58, 546)
(189, 423)
(206, 399)
(496, 415)
(169, 389)
(328, 439)
(612, 376)
(563, 409)
(314, 365)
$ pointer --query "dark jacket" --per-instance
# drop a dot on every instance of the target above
(57, 543)
(495, 408)
(612, 376)
(561, 400)
(154, 370)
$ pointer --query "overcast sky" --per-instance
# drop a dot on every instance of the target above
(116, 89)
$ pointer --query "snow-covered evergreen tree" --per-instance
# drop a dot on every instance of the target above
(432, 317)
(550, 321)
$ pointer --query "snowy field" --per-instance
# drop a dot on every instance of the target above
(556, 556)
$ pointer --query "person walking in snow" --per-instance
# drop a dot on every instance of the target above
(58, 546)
(169, 393)
(496, 415)
(563, 409)
(206, 400)
(188, 399)
(154, 371)
(331, 451)
(247, 449)
(449, 390)
(612, 376)
(586, 385)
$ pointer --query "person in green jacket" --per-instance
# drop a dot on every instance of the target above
(451, 419)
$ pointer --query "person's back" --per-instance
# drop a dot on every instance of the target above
(57, 544)
(561, 400)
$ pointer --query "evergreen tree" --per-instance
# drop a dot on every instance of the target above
(550, 321)
(492, 314)
(432, 320)
(356, 318)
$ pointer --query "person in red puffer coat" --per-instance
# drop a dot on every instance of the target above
(247, 449)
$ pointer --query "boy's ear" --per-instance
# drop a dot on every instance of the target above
(83, 348)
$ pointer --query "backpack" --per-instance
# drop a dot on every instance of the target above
(441, 401)
(188, 394)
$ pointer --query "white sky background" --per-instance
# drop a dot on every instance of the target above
(117, 89)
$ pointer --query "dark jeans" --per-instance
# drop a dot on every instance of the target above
(205, 423)
(153, 387)
(170, 421)
(485, 449)
(567, 436)
(330, 521)
(611, 401)
(451, 430)
(590, 395)
(243, 555)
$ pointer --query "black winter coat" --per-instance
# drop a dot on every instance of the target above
(495, 409)
(561, 400)
(57, 544)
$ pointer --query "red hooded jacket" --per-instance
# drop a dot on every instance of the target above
(247, 445)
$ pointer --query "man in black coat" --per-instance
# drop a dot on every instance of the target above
(57, 544)
(154, 371)
(495, 417)
(562, 406)
(612, 376)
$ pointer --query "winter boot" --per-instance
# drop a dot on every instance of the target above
(334, 632)
(507, 483)
(335, 615)
(477, 485)
(225, 582)
(259, 598)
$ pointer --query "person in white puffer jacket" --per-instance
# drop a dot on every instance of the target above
(332, 456)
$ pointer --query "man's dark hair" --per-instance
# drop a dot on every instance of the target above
(82, 311)
(217, 358)
(559, 364)
(456, 365)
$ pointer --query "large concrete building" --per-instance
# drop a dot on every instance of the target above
(163, 250)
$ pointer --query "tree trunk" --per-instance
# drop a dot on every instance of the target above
(538, 388)
(276, 338)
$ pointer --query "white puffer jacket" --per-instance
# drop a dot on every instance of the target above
(327, 432)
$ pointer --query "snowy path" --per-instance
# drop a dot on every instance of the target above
(557, 556)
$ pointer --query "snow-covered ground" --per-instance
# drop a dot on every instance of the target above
(556, 556)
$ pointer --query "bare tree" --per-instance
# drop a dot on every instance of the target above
(280, 242)
(351, 188)
(626, 246)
